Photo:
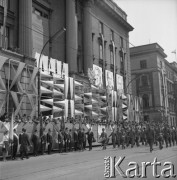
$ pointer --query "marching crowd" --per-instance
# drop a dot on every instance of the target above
(122, 136)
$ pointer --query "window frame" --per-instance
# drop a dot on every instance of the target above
(143, 64)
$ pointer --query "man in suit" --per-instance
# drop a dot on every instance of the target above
(104, 138)
(43, 142)
(90, 138)
(70, 140)
(24, 141)
(166, 135)
(80, 139)
(60, 141)
(66, 139)
(49, 141)
(75, 140)
(84, 139)
(15, 145)
(35, 141)
(113, 134)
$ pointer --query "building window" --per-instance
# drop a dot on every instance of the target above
(143, 64)
(38, 12)
(111, 54)
(121, 42)
(101, 29)
(6, 43)
(111, 57)
(100, 51)
(145, 101)
(144, 80)
(112, 35)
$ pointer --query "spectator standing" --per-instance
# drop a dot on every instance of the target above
(49, 141)
(15, 144)
(35, 141)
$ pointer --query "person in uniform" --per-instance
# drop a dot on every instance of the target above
(169, 136)
(84, 139)
(173, 135)
(43, 142)
(15, 144)
(66, 139)
(75, 140)
(143, 136)
(49, 141)
(150, 137)
(113, 135)
(25, 143)
(60, 141)
(5, 145)
(103, 138)
(90, 137)
(123, 138)
(70, 140)
(118, 137)
(35, 141)
(166, 135)
(132, 137)
(80, 139)
(160, 137)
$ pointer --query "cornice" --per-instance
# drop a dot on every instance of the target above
(120, 19)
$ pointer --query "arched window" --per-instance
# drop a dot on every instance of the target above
(145, 101)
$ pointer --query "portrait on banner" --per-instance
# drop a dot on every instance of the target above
(119, 84)
(98, 76)
(109, 80)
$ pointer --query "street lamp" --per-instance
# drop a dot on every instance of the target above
(54, 36)
(131, 82)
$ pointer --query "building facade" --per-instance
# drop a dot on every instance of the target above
(154, 81)
(97, 33)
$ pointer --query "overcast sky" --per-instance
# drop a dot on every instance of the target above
(153, 21)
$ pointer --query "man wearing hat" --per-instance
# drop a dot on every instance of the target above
(43, 142)
(104, 138)
(24, 141)
(35, 141)
(90, 137)
(49, 141)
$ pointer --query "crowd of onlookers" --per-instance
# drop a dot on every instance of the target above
(122, 135)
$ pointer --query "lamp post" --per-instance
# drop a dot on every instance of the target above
(131, 82)
(54, 36)
(137, 77)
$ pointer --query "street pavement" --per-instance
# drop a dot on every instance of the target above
(86, 165)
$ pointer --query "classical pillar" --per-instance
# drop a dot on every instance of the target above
(25, 27)
(71, 36)
(87, 36)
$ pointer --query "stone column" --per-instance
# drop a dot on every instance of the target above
(87, 36)
(71, 36)
(25, 27)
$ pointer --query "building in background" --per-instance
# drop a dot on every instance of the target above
(154, 81)
(97, 33)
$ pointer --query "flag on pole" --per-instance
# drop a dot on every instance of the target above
(11, 127)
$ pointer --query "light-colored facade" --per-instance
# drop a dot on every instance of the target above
(97, 32)
(154, 79)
